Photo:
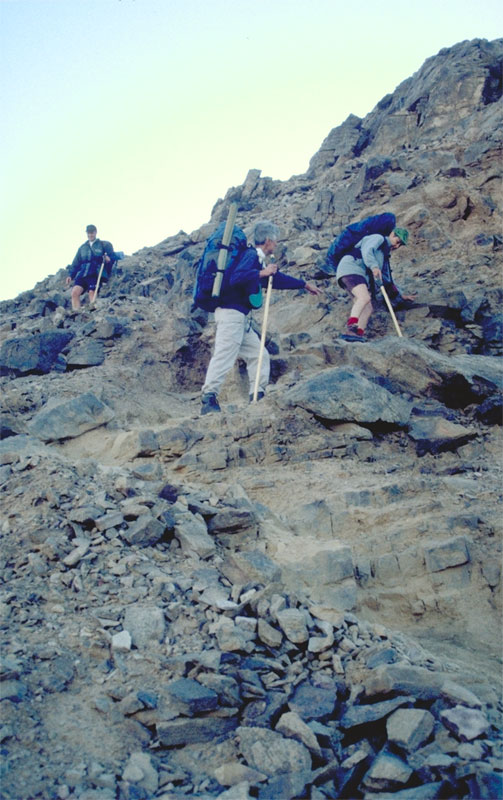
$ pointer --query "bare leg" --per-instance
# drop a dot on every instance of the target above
(76, 292)
(362, 306)
(92, 293)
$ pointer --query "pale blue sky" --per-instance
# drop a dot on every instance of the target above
(138, 115)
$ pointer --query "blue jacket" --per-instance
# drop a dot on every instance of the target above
(88, 260)
(244, 280)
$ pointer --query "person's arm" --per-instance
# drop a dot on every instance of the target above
(73, 267)
(282, 281)
(394, 293)
(369, 249)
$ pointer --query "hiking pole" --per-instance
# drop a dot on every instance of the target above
(262, 337)
(390, 309)
(224, 250)
(98, 284)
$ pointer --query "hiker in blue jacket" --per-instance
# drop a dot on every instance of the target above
(86, 265)
(235, 336)
(358, 271)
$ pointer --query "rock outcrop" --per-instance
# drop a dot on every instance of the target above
(294, 599)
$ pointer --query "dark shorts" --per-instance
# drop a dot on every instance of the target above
(88, 284)
(348, 282)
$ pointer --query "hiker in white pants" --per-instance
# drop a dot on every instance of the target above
(235, 336)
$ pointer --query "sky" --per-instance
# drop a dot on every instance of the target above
(138, 115)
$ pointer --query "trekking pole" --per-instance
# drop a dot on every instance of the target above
(98, 284)
(262, 337)
(390, 309)
(223, 252)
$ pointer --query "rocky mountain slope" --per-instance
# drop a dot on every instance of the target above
(296, 599)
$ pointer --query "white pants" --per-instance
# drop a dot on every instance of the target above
(235, 338)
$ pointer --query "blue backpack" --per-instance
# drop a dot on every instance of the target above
(206, 267)
(350, 236)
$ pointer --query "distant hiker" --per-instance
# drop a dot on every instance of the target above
(86, 265)
(235, 336)
(358, 271)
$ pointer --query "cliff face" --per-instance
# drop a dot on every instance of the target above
(299, 599)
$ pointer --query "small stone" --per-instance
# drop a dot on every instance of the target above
(293, 623)
(121, 641)
(465, 723)
(269, 635)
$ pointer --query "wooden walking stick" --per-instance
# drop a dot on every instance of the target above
(390, 309)
(223, 252)
(98, 283)
(262, 337)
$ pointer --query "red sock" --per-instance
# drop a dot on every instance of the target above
(352, 321)
(360, 332)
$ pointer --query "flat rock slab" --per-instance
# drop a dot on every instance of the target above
(196, 697)
(436, 434)
(348, 396)
(70, 418)
(271, 753)
(371, 712)
(37, 353)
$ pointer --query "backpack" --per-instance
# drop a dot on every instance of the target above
(350, 236)
(206, 267)
(114, 258)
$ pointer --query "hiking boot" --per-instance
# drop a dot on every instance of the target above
(353, 337)
(351, 330)
(260, 395)
(209, 403)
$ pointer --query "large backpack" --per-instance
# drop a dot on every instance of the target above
(114, 256)
(350, 236)
(206, 267)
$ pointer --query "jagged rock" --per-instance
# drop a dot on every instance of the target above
(195, 697)
(364, 714)
(338, 394)
(231, 520)
(192, 533)
(434, 434)
(70, 418)
(269, 635)
(195, 730)
(449, 553)
(88, 353)
(465, 723)
(244, 566)
(409, 728)
(146, 624)
(408, 680)
(387, 772)
(313, 702)
(37, 353)
(146, 530)
(234, 772)
(269, 752)
(293, 624)
(291, 725)
(140, 771)
(121, 641)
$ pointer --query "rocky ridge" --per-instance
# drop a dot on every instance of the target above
(299, 599)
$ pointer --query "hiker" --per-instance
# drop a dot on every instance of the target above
(358, 271)
(86, 265)
(235, 336)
